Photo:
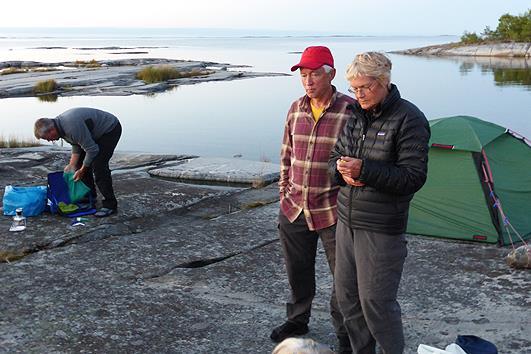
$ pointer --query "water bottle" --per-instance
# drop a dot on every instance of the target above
(19, 221)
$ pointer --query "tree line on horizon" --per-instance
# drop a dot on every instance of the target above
(510, 29)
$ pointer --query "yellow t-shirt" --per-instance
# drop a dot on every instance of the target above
(316, 112)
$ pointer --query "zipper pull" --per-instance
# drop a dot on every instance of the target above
(363, 137)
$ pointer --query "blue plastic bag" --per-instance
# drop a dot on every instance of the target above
(32, 200)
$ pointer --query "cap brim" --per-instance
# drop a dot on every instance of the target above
(311, 66)
(295, 67)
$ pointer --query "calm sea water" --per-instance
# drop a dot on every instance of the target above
(246, 117)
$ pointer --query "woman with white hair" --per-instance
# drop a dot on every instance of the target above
(380, 160)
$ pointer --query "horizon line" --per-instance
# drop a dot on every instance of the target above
(280, 32)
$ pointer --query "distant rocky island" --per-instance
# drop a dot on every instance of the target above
(110, 77)
(509, 49)
(510, 39)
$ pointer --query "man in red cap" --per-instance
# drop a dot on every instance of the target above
(307, 195)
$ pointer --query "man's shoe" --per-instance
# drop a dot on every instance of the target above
(104, 212)
(288, 329)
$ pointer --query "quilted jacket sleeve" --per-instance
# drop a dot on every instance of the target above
(408, 173)
(335, 154)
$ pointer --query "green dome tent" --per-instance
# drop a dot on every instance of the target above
(478, 186)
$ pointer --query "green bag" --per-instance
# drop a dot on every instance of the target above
(67, 208)
(77, 190)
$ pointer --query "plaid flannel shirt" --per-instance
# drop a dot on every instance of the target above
(304, 181)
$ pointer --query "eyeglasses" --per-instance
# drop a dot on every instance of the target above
(358, 90)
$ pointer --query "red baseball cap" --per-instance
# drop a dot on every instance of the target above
(315, 57)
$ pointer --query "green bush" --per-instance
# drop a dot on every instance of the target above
(87, 64)
(510, 28)
(470, 38)
(152, 74)
(515, 28)
(43, 87)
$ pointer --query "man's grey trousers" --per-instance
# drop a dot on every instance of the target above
(299, 246)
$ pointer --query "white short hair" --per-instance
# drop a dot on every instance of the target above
(327, 68)
(371, 64)
(301, 346)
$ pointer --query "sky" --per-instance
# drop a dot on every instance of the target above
(354, 17)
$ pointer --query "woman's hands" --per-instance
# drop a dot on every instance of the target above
(350, 169)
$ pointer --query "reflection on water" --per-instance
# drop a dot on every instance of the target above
(504, 77)
(506, 71)
(47, 98)
(465, 67)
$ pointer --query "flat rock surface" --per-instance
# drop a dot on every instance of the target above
(186, 268)
(223, 170)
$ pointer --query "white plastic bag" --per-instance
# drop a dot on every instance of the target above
(454, 349)
(450, 349)
(426, 349)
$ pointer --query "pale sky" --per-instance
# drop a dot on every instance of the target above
(363, 17)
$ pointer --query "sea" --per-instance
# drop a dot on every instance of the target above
(245, 118)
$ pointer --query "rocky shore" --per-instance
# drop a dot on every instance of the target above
(111, 77)
(522, 50)
(197, 268)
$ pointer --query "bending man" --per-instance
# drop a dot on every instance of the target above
(93, 135)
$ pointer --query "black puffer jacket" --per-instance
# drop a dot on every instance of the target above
(393, 144)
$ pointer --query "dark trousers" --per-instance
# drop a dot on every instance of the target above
(368, 272)
(299, 246)
(100, 171)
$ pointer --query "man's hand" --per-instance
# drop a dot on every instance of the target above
(70, 168)
(80, 173)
